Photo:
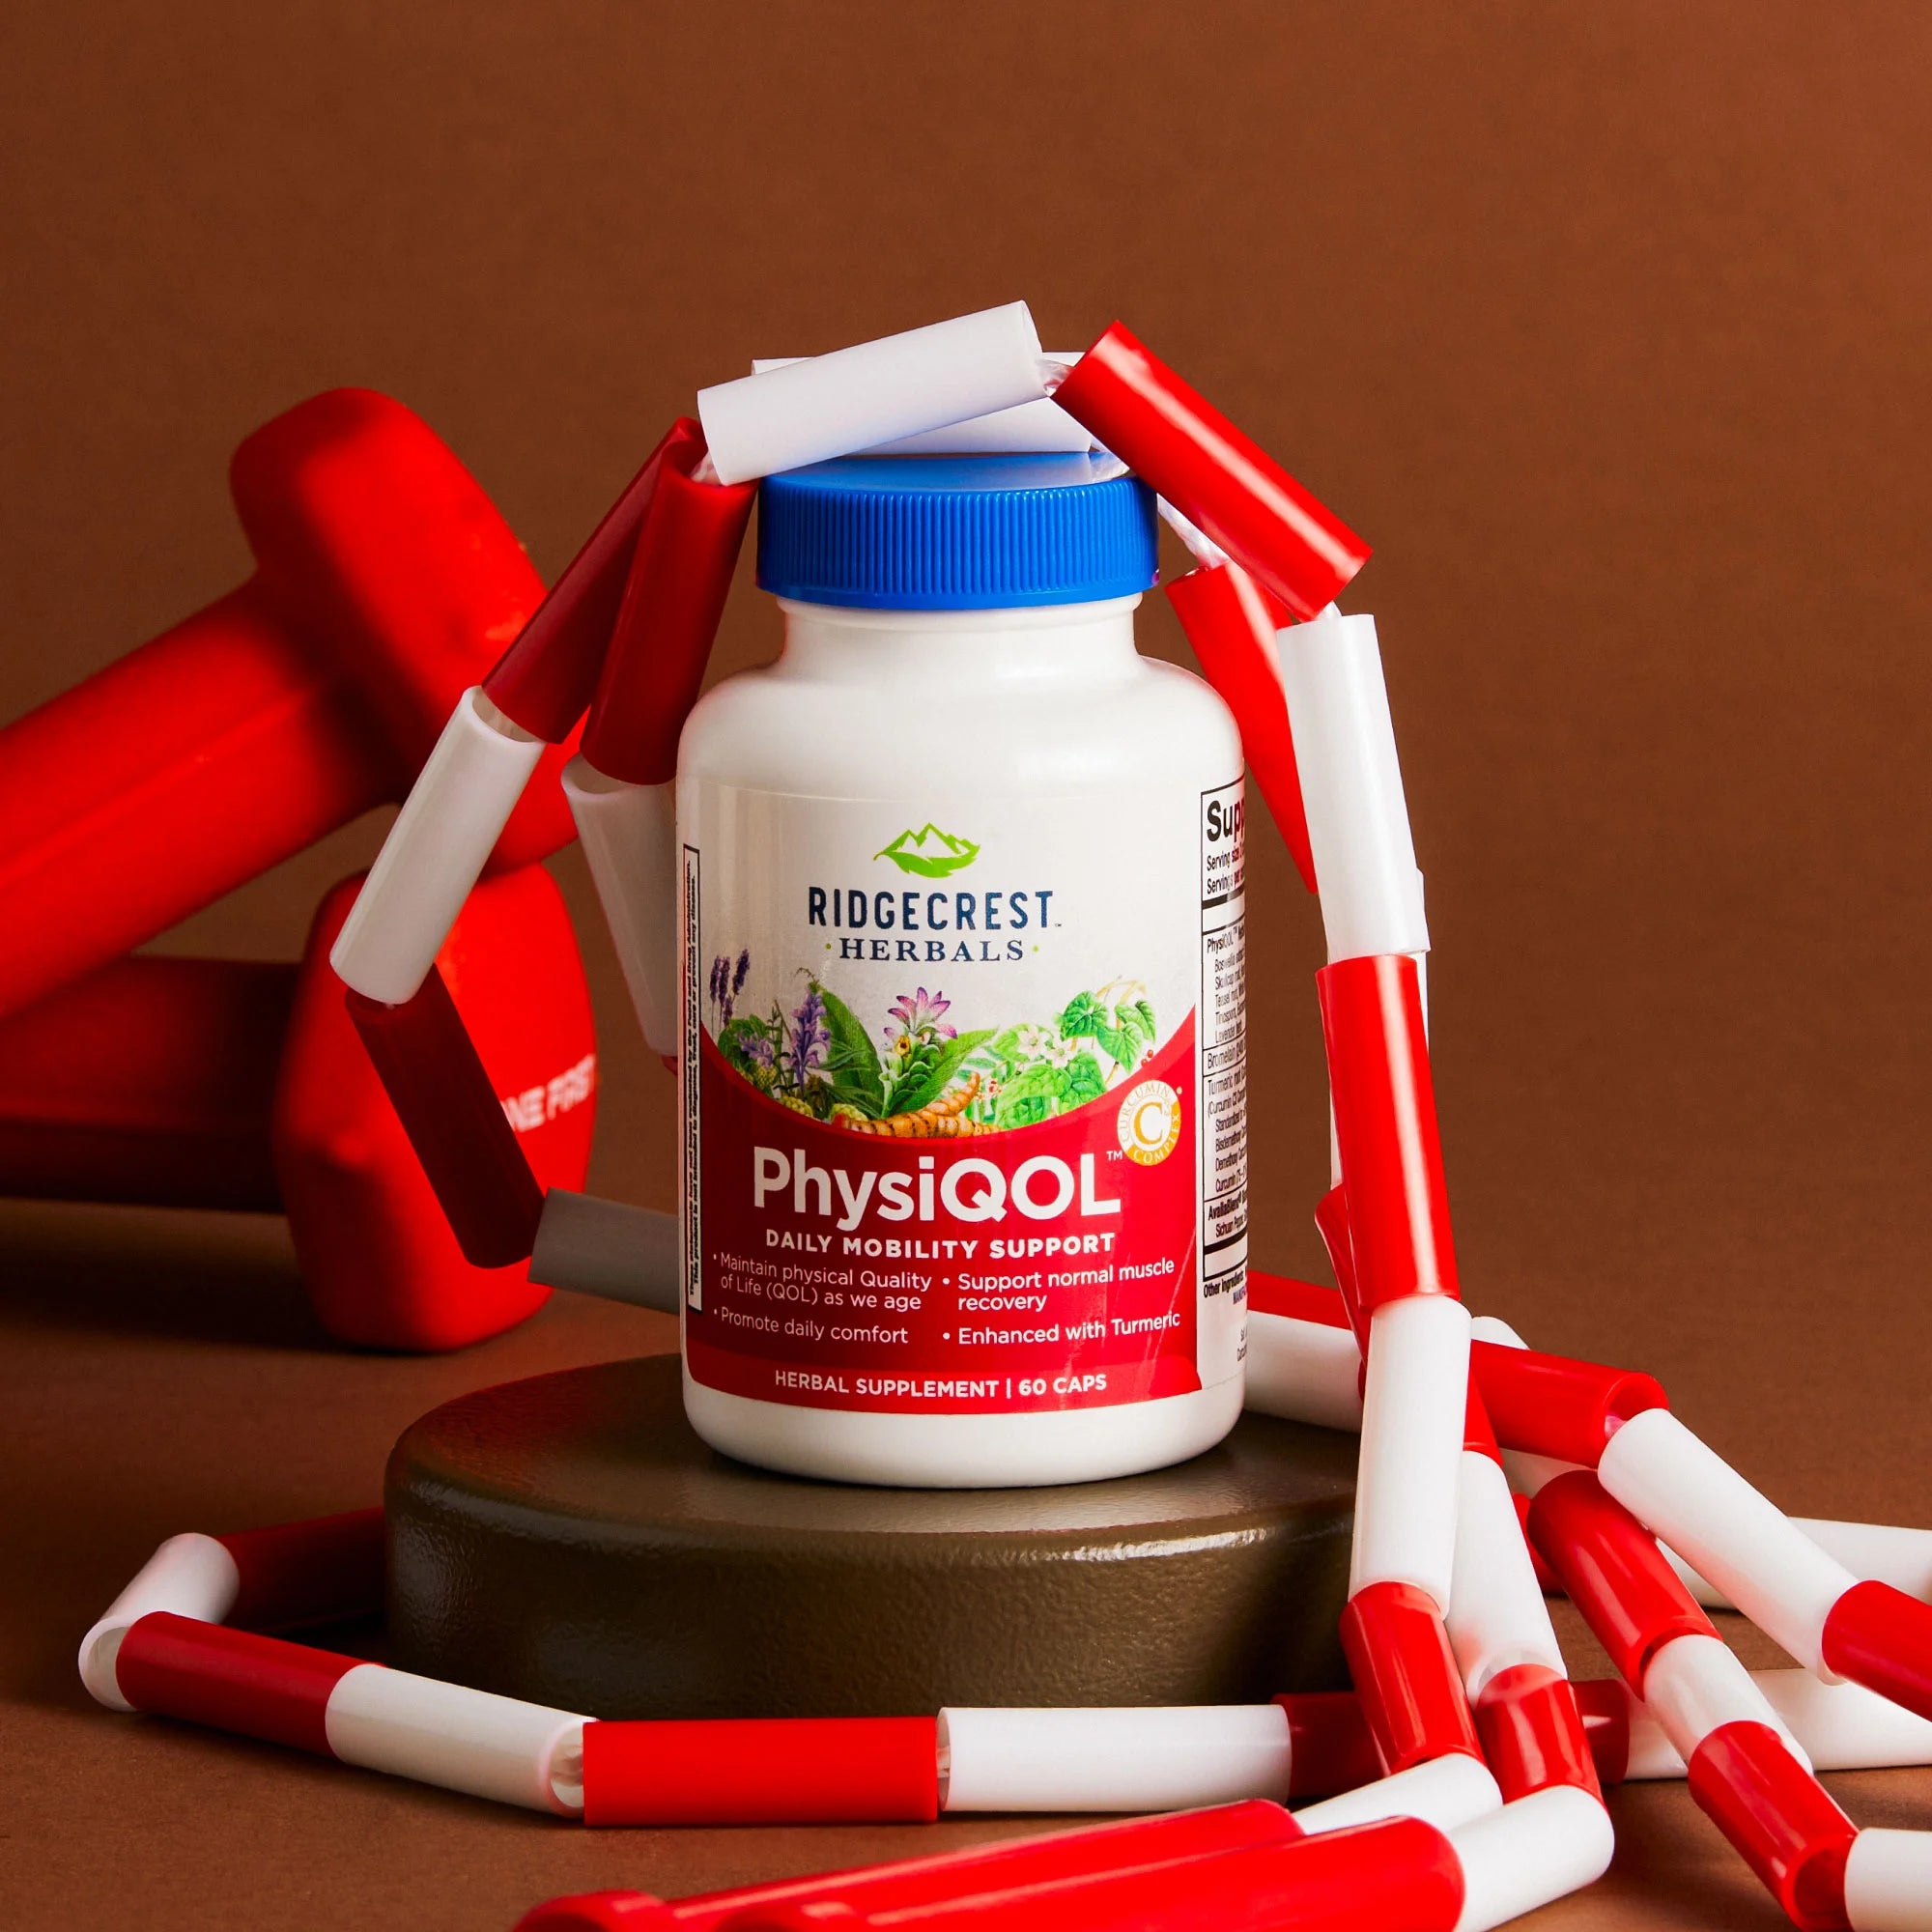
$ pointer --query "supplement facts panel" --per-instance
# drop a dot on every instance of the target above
(1224, 1076)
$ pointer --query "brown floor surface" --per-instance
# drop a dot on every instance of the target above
(158, 1373)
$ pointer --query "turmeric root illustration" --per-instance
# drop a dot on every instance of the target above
(944, 1119)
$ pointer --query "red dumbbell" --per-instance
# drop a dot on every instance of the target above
(220, 1084)
(386, 583)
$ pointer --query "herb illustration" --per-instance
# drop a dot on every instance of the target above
(727, 983)
(1036, 1072)
(928, 1081)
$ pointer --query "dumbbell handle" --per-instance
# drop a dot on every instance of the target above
(495, 1206)
(149, 1081)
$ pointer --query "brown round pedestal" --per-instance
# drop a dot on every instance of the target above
(570, 1540)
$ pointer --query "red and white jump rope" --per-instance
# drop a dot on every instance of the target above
(1455, 1662)
(1610, 1468)
(162, 1648)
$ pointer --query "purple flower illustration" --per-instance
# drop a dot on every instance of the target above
(726, 984)
(805, 1053)
(918, 1013)
(758, 1048)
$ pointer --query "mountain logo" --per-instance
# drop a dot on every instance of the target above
(929, 852)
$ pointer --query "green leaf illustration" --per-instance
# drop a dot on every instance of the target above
(921, 1086)
(853, 1063)
(1004, 1047)
(1080, 1081)
(1029, 1100)
(1085, 1015)
(904, 1073)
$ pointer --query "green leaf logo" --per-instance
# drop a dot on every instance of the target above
(929, 852)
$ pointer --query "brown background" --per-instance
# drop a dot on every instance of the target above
(1608, 324)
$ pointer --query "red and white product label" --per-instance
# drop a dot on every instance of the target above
(964, 1103)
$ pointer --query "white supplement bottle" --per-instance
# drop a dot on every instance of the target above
(963, 1185)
